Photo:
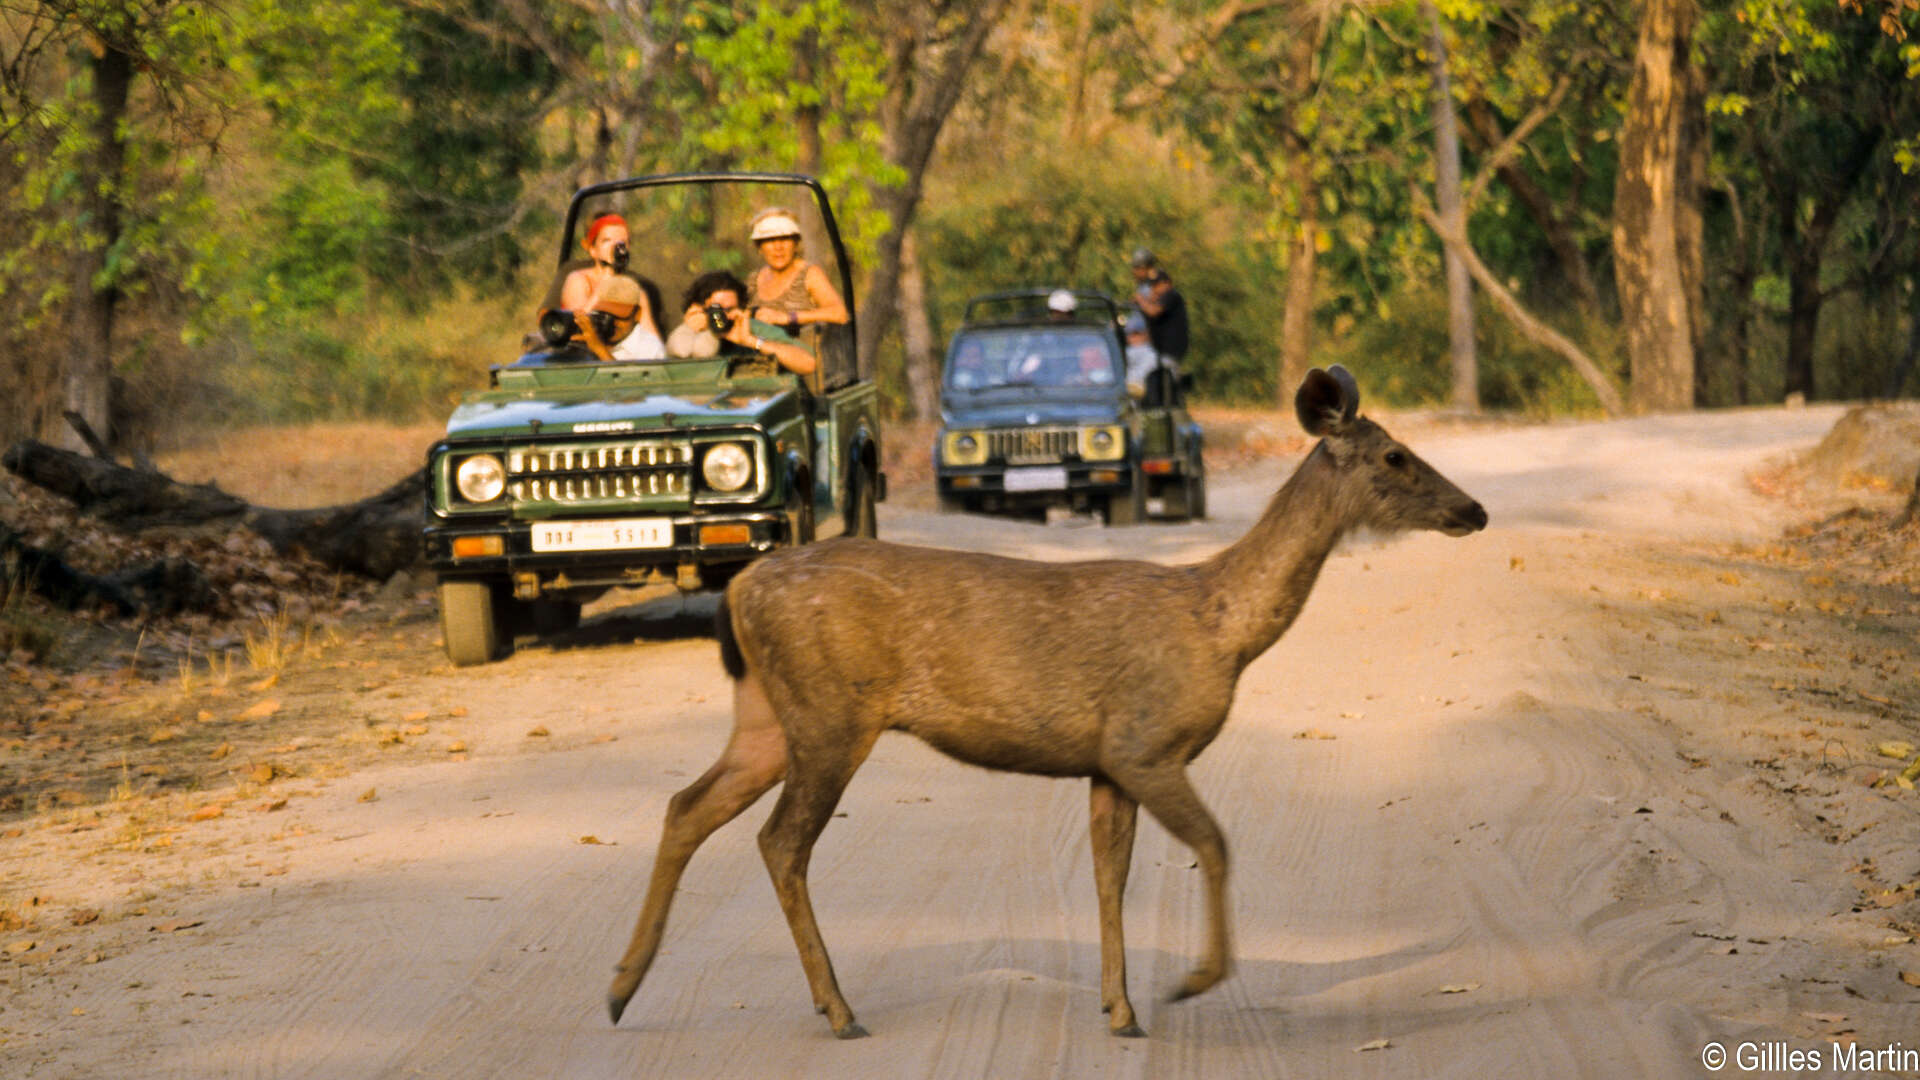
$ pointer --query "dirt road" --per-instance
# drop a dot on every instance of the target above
(1554, 800)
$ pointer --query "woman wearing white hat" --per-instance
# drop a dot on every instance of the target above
(789, 291)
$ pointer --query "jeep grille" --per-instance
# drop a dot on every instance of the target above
(658, 471)
(1034, 444)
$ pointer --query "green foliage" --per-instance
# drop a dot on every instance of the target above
(759, 56)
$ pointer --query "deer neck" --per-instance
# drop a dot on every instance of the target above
(1260, 583)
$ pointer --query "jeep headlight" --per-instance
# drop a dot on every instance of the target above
(728, 466)
(480, 478)
(964, 448)
(1107, 442)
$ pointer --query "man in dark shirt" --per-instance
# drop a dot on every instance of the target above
(1166, 312)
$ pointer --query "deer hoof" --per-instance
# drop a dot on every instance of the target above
(616, 1004)
(1195, 984)
(850, 1030)
(1131, 1031)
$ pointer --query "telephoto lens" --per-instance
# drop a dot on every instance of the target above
(620, 256)
(718, 320)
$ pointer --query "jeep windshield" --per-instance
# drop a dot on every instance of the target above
(1043, 357)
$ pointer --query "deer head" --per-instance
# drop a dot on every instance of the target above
(1385, 486)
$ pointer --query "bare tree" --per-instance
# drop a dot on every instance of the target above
(1446, 191)
(931, 48)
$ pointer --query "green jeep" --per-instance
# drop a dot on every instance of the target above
(569, 475)
(1036, 412)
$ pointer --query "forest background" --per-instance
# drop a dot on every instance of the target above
(225, 212)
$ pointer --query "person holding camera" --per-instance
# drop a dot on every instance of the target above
(715, 323)
(604, 288)
(1165, 312)
(788, 292)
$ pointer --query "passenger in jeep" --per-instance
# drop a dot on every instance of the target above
(604, 288)
(720, 291)
(788, 291)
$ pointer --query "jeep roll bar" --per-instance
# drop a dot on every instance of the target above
(1030, 305)
(632, 183)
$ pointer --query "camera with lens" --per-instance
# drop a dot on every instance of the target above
(620, 255)
(718, 320)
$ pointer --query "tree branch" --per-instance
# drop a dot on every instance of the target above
(1510, 145)
(1534, 330)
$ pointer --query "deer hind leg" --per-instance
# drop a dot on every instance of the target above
(1170, 798)
(754, 760)
(1111, 818)
(816, 777)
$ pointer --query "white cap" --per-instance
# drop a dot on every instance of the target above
(773, 224)
(1062, 301)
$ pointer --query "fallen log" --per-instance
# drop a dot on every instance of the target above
(161, 587)
(376, 537)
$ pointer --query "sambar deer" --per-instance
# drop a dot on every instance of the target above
(831, 644)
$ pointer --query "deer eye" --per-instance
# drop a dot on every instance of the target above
(1397, 459)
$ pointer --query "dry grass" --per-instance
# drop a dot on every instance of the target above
(306, 466)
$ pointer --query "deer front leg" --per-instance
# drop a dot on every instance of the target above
(1168, 796)
(754, 760)
(814, 784)
(1111, 819)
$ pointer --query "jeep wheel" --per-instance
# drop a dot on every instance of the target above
(951, 503)
(1176, 500)
(863, 517)
(1129, 507)
(471, 622)
(803, 518)
(1187, 500)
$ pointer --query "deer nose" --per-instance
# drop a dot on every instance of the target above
(1473, 518)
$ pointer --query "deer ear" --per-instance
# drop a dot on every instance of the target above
(1349, 389)
(1325, 400)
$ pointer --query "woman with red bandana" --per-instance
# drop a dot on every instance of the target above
(603, 287)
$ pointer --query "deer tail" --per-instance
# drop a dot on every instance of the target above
(730, 655)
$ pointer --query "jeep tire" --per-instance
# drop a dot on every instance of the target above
(863, 516)
(1130, 506)
(472, 621)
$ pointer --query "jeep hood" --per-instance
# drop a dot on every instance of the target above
(1022, 411)
(602, 410)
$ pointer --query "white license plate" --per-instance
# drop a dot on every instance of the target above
(1044, 478)
(611, 535)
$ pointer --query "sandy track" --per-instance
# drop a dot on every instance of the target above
(1502, 810)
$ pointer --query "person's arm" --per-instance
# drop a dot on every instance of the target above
(577, 295)
(828, 307)
(792, 357)
(1149, 305)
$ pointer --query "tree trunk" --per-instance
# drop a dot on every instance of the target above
(1649, 224)
(917, 105)
(1446, 158)
(88, 376)
(916, 333)
(1296, 318)
(1897, 378)
(1082, 61)
(1690, 218)
(1803, 319)
(806, 120)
